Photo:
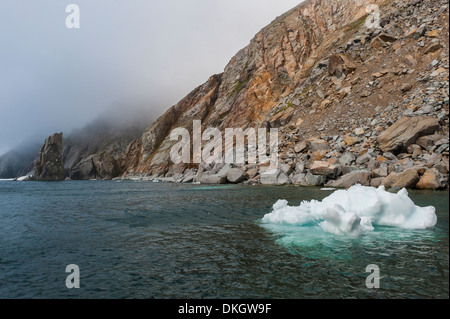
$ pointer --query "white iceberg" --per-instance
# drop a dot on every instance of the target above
(354, 211)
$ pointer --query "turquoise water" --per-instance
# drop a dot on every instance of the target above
(155, 240)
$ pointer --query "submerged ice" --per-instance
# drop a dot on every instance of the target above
(355, 211)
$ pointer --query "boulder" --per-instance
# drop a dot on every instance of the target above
(428, 141)
(287, 168)
(319, 145)
(324, 169)
(376, 182)
(405, 132)
(382, 40)
(406, 179)
(49, 166)
(208, 178)
(340, 65)
(315, 180)
(433, 47)
(359, 131)
(351, 140)
(300, 147)
(429, 180)
(299, 179)
(415, 150)
(223, 169)
(347, 158)
(282, 118)
(442, 168)
(274, 177)
(355, 177)
(381, 171)
(236, 176)
(366, 157)
(318, 155)
(325, 103)
(283, 179)
(270, 177)
(189, 176)
(299, 168)
(252, 172)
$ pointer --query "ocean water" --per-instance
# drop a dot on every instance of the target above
(156, 240)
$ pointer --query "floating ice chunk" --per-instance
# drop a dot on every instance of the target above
(355, 211)
(286, 214)
(340, 222)
(366, 224)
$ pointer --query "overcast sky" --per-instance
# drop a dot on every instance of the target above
(125, 53)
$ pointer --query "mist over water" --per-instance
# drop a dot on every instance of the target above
(126, 56)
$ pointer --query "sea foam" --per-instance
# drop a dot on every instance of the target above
(355, 211)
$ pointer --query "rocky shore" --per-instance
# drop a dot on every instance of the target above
(373, 111)
(353, 104)
(411, 153)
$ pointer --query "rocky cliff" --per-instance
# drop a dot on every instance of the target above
(357, 96)
(94, 151)
(49, 166)
(19, 161)
(353, 101)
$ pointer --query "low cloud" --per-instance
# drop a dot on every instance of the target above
(127, 55)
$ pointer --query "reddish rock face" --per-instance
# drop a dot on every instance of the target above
(277, 59)
(368, 105)
(429, 180)
(406, 179)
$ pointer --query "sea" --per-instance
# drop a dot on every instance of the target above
(146, 240)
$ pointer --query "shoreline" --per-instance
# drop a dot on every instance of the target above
(244, 184)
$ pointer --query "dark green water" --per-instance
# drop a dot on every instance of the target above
(153, 240)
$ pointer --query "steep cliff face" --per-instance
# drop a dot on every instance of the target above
(150, 153)
(254, 83)
(49, 166)
(94, 151)
(355, 99)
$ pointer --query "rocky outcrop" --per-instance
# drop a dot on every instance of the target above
(353, 104)
(431, 179)
(406, 131)
(236, 176)
(405, 179)
(49, 166)
(361, 177)
(95, 151)
(98, 166)
(252, 89)
(274, 177)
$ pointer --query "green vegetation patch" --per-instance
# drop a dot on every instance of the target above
(239, 86)
(357, 24)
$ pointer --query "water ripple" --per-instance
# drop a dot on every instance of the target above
(147, 240)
